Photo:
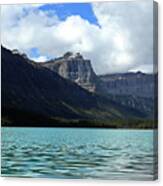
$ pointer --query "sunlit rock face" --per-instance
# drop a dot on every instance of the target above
(75, 68)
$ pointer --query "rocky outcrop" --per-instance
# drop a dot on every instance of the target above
(75, 68)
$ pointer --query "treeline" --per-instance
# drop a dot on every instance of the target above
(132, 124)
(24, 119)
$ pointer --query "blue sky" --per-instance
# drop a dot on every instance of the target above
(35, 53)
(64, 10)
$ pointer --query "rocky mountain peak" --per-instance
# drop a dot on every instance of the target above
(17, 52)
(71, 55)
(74, 67)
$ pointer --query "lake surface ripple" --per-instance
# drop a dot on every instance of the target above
(77, 153)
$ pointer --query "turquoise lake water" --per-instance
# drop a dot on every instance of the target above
(77, 153)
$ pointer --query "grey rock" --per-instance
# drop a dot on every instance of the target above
(75, 68)
(135, 84)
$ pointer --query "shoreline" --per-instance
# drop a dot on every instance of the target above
(81, 127)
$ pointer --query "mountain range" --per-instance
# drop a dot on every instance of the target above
(67, 88)
(134, 90)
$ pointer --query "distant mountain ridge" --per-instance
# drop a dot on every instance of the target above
(35, 94)
(132, 83)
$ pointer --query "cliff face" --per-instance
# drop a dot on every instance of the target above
(136, 90)
(135, 84)
(74, 68)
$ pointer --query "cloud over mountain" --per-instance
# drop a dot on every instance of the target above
(122, 41)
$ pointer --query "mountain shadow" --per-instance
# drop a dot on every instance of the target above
(33, 95)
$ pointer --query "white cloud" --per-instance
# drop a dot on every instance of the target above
(131, 29)
(147, 68)
(40, 59)
(123, 42)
